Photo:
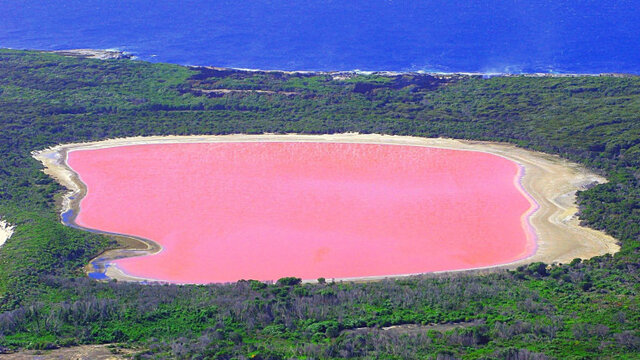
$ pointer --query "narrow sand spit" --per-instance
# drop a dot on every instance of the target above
(6, 230)
(549, 180)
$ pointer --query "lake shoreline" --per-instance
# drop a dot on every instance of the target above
(548, 180)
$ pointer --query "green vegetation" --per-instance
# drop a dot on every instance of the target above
(586, 309)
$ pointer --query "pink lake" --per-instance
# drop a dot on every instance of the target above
(266, 210)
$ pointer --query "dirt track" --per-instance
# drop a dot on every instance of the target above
(80, 352)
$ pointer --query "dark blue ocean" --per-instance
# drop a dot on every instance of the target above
(515, 36)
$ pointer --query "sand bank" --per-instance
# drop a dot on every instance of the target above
(6, 230)
(549, 180)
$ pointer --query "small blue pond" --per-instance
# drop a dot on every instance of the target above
(98, 276)
(67, 216)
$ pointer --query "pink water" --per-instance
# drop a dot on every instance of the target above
(230, 211)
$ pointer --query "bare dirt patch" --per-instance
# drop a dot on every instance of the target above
(6, 230)
(82, 352)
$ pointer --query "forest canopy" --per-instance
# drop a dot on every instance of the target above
(585, 309)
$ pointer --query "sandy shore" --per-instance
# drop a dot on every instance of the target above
(549, 180)
(6, 230)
